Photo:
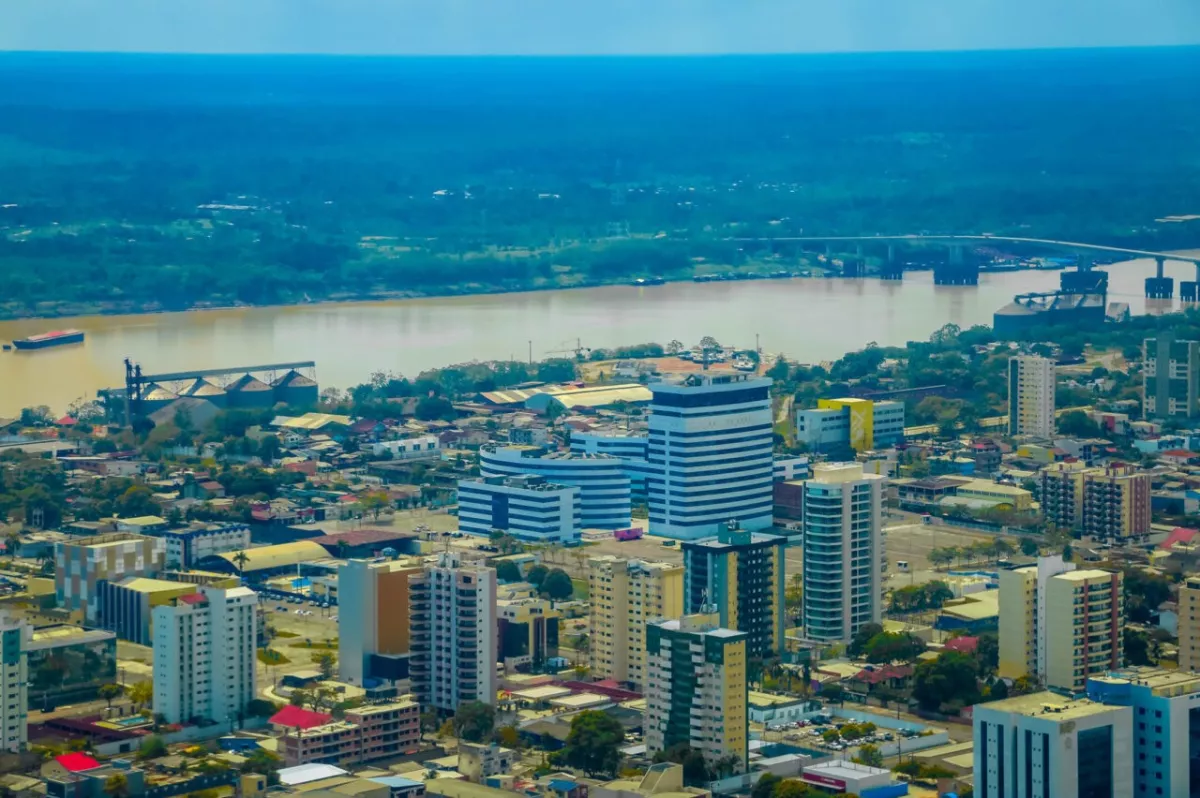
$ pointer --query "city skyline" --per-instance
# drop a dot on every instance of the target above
(589, 27)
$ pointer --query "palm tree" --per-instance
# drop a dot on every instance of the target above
(240, 559)
(141, 693)
(110, 691)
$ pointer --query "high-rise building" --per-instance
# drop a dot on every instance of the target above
(80, 564)
(373, 609)
(711, 443)
(624, 596)
(1042, 745)
(204, 655)
(1031, 396)
(604, 494)
(1116, 502)
(1058, 624)
(1189, 624)
(1166, 726)
(741, 575)
(844, 552)
(14, 684)
(453, 629)
(526, 507)
(696, 689)
(861, 424)
(1110, 502)
(1170, 377)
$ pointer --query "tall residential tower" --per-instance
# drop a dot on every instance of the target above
(740, 574)
(626, 595)
(1031, 396)
(844, 554)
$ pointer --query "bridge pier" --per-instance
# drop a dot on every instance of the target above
(1188, 291)
(891, 271)
(852, 267)
(959, 270)
(1160, 286)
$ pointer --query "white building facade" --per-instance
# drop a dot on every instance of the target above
(1044, 746)
(527, 507)
(185, 547)
(605, 501)
(1031, 396)
(844, 551)
(452, 612)
(204, 655)
(710, 455)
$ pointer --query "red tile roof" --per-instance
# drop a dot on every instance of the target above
(966, 645)
(883, 673)
(76, 762)
(299, 718)
(360, 537)
(193, 598)
(1179, 534)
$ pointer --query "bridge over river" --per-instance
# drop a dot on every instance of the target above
(960, 269)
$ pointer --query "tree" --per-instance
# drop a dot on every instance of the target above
(892, 646)
(1029, 547)
(695, 769)
(998, 690)
(152, 747)
(1076, 424)
(109, 692)
(864, 634)
(593, 744)
(508, 736)
(1137, 647)
(116, 785)
(507, 571)
(434, 408)
(833, 693)
(947, 682)
(263, 762)
(240, 559)
(141, 693)
(792, 788)
(765, 786)
(869, 755)
(558, 585)
(326, 662)
(1001, 548)
(299, 698)
(537, 575)
(474, 721)
(374, 502)
(674, 347)
(940, 557)
(987, 652)
(446, 729)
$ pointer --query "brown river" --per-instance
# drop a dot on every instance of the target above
(808, 319)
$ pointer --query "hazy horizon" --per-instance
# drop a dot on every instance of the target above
(589, 27)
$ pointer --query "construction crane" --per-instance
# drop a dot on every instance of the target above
(579, 351)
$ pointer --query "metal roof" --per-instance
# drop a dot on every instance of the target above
(282, 555)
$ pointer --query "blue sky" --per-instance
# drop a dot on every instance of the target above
(615, 27)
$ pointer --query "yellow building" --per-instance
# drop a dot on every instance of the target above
(1189, 624)
(1112, 502)
(696, 691)
(625, 595)
(1083, 627)
(1018, 622)
(862, 421)
(1059, 624)
(995, 494)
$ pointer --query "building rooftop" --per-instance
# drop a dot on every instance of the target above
(144, 584)
(1084, 575)
(302, 774)
(282, 555)
(840, 769)
(51, 636)
(76, 761)
(143, 520)
(1162, 682)
(299, 718)
(1051, 705)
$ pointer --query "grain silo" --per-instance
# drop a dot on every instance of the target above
(250, 392)
(296, 390)
(203, 389)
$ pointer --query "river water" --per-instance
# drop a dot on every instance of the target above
(809, 319)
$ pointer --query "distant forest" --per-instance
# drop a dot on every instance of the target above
(168, 182)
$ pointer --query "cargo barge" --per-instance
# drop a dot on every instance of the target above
(45, 340)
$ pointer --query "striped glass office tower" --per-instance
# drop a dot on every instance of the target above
(711, 452)
(604, 497)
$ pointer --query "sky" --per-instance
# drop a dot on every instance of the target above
(589, 27)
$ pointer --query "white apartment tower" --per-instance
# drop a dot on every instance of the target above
(844, 551)
(1031, 396)
(452, 612)
(710, 455)
(204, 655)
(14, 684)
